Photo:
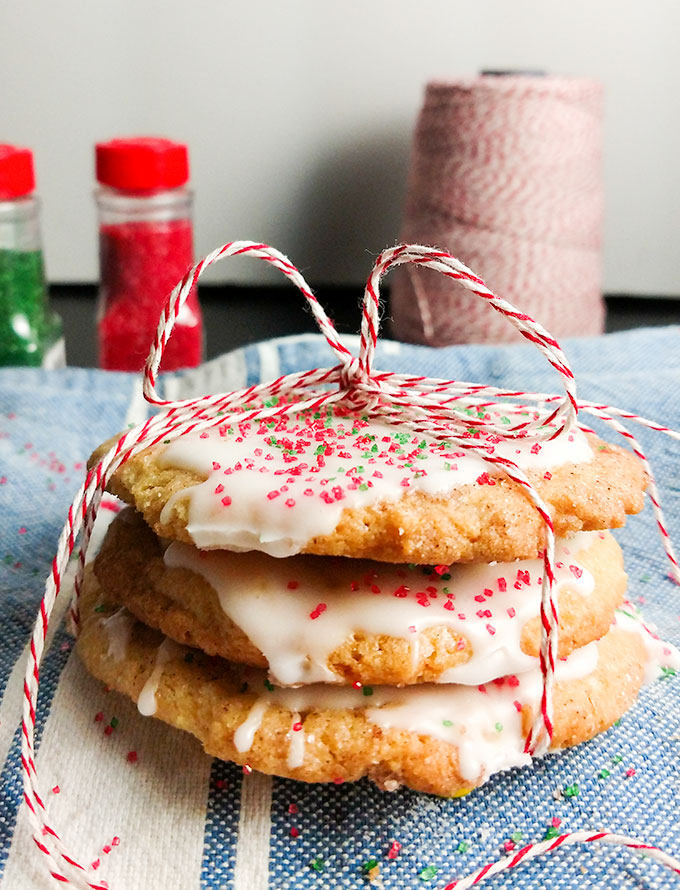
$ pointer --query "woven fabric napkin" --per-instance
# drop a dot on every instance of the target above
(169, 817)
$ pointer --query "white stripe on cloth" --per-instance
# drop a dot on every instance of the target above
(269, 361)
(156, 806)
(13, 700)
(251, 871)
(222, 374)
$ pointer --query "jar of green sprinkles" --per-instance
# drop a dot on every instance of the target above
(29, 333)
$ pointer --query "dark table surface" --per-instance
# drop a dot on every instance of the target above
(234, 316)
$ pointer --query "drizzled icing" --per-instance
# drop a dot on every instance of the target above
(168, 651)
(118, 628)
(273, 486)
(484, 723)
(299, 610)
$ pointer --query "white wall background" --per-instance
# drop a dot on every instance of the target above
(299, 114)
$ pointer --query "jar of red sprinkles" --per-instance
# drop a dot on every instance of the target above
(145, 247)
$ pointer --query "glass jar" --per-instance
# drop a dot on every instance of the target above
(145, 248)
(29, 333)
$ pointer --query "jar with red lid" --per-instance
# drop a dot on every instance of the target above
(145, 247)
(30, 334)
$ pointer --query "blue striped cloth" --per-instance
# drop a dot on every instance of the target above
(174, 818)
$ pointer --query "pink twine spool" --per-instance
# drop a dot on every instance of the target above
(505, 173)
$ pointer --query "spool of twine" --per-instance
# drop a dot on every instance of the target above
(506, 174)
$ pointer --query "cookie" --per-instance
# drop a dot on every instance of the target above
(347, 486)
(335, 620)
(442, 739)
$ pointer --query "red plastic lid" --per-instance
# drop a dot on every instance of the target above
(16, 172)
(142, 164)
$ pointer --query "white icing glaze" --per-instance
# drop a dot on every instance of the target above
(662, 657)
(168, 651)
(296, 744)
(483, 723)
(275, 486)
(297, 611)
(118, 628)
(244, 735)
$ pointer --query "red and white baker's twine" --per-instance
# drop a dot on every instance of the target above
(424, 405)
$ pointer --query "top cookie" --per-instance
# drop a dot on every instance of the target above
(347, 486)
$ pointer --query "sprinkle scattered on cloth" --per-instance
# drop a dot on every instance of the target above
(145, 807)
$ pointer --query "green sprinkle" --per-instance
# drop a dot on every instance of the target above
(447, 722)
(114, 722)
(166, 441)
(244, 687)
(463, 847)
(317, 864)
(499, 727)
(269, 686)
(668, 671)
(363, 487)
(645, 578)
(369, 865)
(367, 690)
(550, 833)
(604, 773)
(374, 449)
(446, 589)
(571, 790)
(428, 873)
(505, 420)
(516, 836)
(361, 469)
(101, 608)
(617, 722)
(617, 758)
(446, 577)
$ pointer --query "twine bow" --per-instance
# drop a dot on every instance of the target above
(437, 408)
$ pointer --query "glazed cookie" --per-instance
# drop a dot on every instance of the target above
(316, 619)
(350, 487)
(413, 736)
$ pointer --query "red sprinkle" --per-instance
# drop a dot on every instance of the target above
(132, 757)
(293, 585)
(518, 706)
(576, 571)
(394, 849)
(108, 730)
(247, 769)
(630, 772)
(99, 717)
(555, 821)
(115, 841)
(226, 500)
(319, 610)
(294, 832)
(56, 789)
(297, 727)
(220, 784)
(293, 809)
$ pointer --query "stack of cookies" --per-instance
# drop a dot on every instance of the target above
(326, 596)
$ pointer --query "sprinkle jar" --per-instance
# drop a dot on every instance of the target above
(29, 333)
(145, 247)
